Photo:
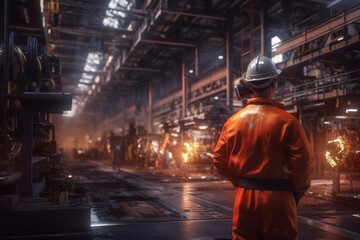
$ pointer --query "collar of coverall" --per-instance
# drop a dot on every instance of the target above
(260, 101)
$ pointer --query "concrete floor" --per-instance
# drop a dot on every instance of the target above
(148, 203)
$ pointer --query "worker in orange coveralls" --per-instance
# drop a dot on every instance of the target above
(265, 154)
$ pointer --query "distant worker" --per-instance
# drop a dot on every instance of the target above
(116, 162)
(166, 156)
(265, 154)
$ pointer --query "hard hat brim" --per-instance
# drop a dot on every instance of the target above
(259, 77)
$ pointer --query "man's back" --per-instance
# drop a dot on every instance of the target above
(264, 142)
(256, 134)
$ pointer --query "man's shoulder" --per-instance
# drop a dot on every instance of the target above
(284, 114)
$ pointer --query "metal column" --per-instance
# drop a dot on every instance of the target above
(184, 80)
(252, 32)
(286, 18)
(265, 38)
(27, 183)
(3, 83)
(229, 66)
(150, 120)
(196, 62)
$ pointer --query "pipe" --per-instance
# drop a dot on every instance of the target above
(4, 79)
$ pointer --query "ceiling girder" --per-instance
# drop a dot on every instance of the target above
(97, 7)
(168, 42)
(199, 14)
(192, 26)
(141, 69)
(92, 32)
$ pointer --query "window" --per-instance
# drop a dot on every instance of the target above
(111, 20)
(275, 42)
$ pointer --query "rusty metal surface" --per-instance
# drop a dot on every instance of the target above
(183, 204)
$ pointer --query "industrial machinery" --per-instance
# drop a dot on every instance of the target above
(29, 161)
(148, 150)
(343, 148)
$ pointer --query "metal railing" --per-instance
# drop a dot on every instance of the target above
(319, 89)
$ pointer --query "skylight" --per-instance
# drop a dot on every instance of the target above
(111, 19)
(91, 65)
(275, 41)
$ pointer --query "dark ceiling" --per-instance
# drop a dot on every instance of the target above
(152, 38)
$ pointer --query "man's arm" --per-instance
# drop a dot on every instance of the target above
(221, 158)
(300, 157)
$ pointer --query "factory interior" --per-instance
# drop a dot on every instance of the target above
(156, 78)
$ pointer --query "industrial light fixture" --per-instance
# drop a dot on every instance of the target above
(327, 122)
(340, 38)
(42, 6)
(97, 79)
(340, 117)
(203, 127)
(189, 123)
(216, 97)
(220, 57)
(351, 110)
(191, 71)
(110, 58)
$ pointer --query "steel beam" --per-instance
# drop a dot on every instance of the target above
(100, 17)
(150, 108)
(334, 23)
(168, 42)
(321, 52)
(184, 83)
(4, 88)
(140, 69)
(229, 67)
(67, 43)
(191, 26)
(92, 32)
(30, 29)
(98, 7)
(196, 14)
(126, 81)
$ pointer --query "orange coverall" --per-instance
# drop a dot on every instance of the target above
(263, 141)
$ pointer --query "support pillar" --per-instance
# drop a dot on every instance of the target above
(3, 83)
(252, 33)
(27, 180)
(229, 66)
(150, 120)
(265, 38)
(184, 81)
(286, 15)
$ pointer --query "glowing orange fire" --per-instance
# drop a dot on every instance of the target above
(334, 160)
(186, 155)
